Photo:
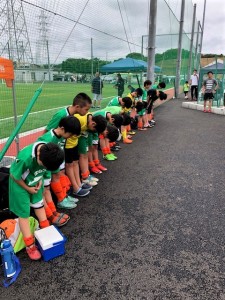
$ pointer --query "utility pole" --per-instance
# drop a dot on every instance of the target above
(179, 50)
(151, 40)
(191, 44)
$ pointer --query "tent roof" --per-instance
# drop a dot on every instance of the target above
(127, 64)
(214, 66)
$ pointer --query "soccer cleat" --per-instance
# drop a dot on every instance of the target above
(204, 110)
(91, 177)
(86, 186)
(66, 204)
(131, 132)
(72, 199)
(127, 141)
(33, 252)
(95, 170)
(209, 111)
(118, 146)
(101, 167)
(112, 155)
(114, 148)
(90, 182)
(80, 193)
(108, 157)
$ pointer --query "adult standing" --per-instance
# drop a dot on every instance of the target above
(209, 88)
(120, 85)
(97, 86)
(194, 85)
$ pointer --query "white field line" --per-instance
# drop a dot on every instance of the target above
(40, 111)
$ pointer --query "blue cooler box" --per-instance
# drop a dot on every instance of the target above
(50, 242)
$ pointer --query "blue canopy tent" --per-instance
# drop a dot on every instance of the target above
(127, 65)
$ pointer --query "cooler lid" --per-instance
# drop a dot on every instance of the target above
(48, 236)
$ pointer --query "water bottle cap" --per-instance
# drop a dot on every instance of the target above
(6, 244)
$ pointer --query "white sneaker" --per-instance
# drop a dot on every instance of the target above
(91, 177)
(90, 181)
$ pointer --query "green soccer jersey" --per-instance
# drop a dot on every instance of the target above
(114, 102)
(144, 95)
(113, 109)
(101, 112)
(51, 137)
(26, 167)
(54, 122)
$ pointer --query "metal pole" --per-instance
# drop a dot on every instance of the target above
(179, 50)
(191, 44)
(92, 67)
(151, 40)
(203, 24)
(196, 46)
(49, 74)
(15, 115)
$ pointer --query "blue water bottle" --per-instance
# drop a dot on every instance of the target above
(8, 258)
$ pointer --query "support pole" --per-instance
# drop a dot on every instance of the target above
(15, 115)
(179, 50)
(49, 74)
(92, 67)
(151, 40)
(197, 45)
(203, 25)
(191, 44)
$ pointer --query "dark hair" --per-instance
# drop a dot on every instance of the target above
(139, 92)
(126, 119)
(127, 102)
(210, 72)
(162, 95)
(147, 82)
(82, 100)
(139, 106)
(161, 85)
(186, 81)
(118, 120)
(70, 124)
(51, 155)
(113, 133)
(101, 123)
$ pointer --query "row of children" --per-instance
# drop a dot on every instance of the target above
(60, 161)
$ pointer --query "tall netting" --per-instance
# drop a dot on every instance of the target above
(60, 45)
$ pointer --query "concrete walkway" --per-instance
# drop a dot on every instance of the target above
(153, 229)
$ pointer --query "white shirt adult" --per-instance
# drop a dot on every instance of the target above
(194, 79)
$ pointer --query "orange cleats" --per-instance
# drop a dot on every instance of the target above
(127, 141)
(33, 252)
(95, 170)
(101, 167)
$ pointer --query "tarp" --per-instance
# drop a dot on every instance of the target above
(127, 64)
(218, 66)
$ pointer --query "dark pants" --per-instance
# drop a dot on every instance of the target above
(120, 93)
(194, 90)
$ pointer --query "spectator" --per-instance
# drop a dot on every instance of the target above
(209, 88)
(194, 86)
(120, 85)
(97, 85)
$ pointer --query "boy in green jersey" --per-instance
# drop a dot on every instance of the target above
(68, 126)
(81, 105)
(26, 187)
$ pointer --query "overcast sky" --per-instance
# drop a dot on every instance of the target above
(214, 31)
(116, 21)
